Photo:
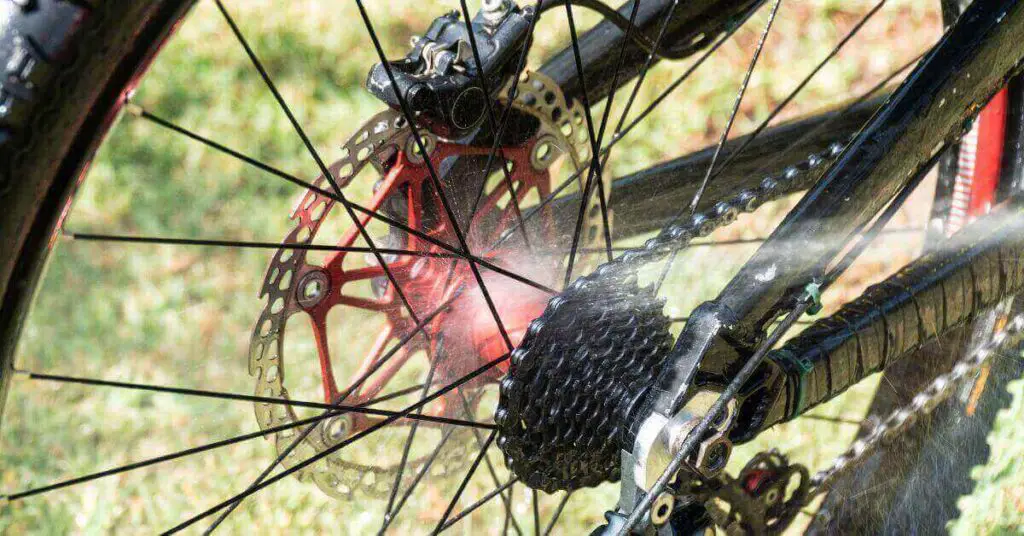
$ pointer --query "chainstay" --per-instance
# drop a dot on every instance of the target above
(678, 234)
(902, 419)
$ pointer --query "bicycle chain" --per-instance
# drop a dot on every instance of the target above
(926, 400)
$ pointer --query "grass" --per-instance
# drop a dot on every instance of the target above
(182, 316)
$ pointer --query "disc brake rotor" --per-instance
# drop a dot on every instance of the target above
(296, 283)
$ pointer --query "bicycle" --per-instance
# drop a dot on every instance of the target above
(461, 250)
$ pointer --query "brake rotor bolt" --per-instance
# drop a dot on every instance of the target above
(337, 429)
(313, 288)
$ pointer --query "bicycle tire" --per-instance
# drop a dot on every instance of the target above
(53, 122)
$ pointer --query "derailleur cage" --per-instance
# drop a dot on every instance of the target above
(762, 500)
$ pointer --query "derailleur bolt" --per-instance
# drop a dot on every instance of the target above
(661, 508)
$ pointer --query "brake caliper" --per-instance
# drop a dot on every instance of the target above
(439, 78)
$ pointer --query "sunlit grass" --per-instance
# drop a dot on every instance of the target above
(183, 316)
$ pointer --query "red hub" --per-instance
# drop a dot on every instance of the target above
(471, 335)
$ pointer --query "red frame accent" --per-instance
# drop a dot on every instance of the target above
(989, 155)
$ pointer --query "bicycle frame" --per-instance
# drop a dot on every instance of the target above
(688, 27)
(933, 106)
(936, 103)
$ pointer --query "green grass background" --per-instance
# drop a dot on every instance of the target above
(182, 316)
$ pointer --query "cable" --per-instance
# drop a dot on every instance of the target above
(622, 23)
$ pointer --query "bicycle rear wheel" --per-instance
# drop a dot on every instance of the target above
(50, 140)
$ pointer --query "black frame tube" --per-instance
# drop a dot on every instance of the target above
(935, 103)
(695, 24)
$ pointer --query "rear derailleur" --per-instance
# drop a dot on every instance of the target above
(762, 500)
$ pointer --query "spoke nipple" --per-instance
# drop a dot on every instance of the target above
(133, 109)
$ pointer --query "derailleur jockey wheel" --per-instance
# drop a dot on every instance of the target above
(347, 292)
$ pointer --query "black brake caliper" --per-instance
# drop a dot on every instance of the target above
(439, 77)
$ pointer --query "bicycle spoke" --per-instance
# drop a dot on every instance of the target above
(605, 197)
(508, 513)
(426, 467)
(138, 111)
(864, 239)
(361, 408)
(391, 396)
(496, 143)
(622, 130)
(506, 499)
(536, 508)
(837, 420)
(725, 131)
(595, 164)
(416, 480)
(163, 240)
(334, 448)
(803, 83)
(465, 481)
(736, 104)
(432, 173)
(412, 432)
(163, 458)
(557, 514)
(472, 508)
(493, 122)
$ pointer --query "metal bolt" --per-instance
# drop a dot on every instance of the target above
(661, 509)
(712, 456)
(338, 428)
(313, 288)
(494, 11)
